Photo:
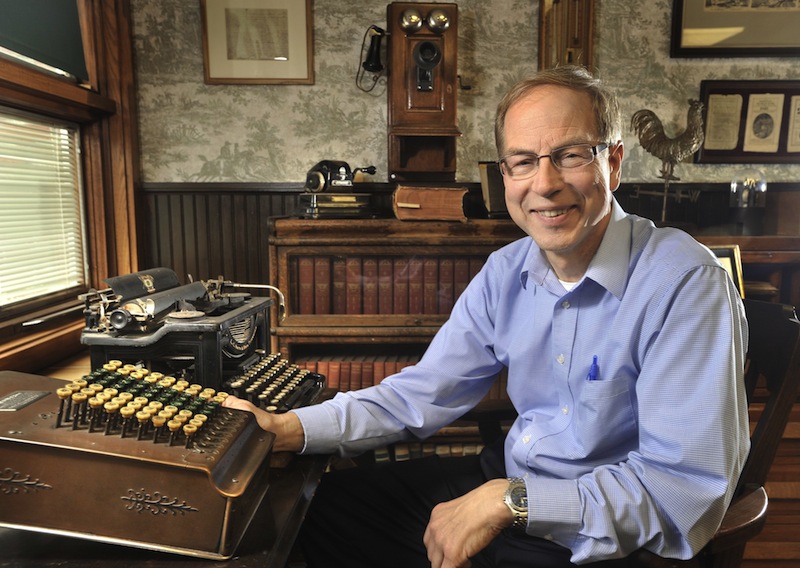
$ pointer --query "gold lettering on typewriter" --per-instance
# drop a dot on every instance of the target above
(148, 283)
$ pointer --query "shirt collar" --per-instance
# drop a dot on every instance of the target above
(609, 267)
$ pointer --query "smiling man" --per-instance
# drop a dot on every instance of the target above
(561, 196)
(624, 346)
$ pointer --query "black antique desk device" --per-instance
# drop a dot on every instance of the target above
(138, 460)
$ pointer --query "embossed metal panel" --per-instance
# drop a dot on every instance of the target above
(56, 478)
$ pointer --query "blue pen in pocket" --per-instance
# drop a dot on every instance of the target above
(594, 370)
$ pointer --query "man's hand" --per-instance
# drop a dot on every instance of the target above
(461, 528)
(288, 430)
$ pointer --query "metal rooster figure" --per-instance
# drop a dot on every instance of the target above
(655, 141)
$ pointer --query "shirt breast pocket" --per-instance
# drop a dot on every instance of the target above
(604, 416)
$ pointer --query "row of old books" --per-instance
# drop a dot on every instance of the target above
(356, 372)
(413, 450)
(391, 284)
(361, 371)
(346, 373)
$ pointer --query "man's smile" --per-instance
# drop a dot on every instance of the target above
(551, 212)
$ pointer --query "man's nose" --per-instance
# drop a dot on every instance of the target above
(548, 177)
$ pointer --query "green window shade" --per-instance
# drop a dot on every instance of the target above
(41, 209)
(48, 31)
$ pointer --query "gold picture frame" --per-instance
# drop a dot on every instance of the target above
(730, 256)
(258, 42)
(734, 29)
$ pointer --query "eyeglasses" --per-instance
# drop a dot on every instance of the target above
(522, 166)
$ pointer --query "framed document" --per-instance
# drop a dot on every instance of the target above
(750, 122)
(258, 41)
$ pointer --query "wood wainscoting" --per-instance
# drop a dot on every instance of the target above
(208, 230)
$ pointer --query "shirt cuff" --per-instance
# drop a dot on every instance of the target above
(321, 429)
(554, 509)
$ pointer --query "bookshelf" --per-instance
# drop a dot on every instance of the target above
(368, 295)
(365, 297)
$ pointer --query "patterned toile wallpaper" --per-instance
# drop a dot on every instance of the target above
(193, 132)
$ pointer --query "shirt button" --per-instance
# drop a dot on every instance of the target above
(565, 410)
(561, 359)
(565, 304)
(526, 439)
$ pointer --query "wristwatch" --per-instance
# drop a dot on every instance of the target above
(516, 499)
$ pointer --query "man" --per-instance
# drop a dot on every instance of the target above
(624, 346)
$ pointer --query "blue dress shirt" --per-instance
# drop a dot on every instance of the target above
(643, 450)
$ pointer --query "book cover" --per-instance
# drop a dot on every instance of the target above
(305, 279)
(323, 368)
(385, 285)
(322, 285)
(493, 190)
(356, 372)
(460, 276)
(379, 369)
(368, 372)
(344, 376)
(354, 284)
(446, 284)
(390, 365)
(429, 203)
(430, 285)
(415, 294)
(400, 296)
(381, 455)
(370, 285)
(334, 374)
(306, 363)
(339, 284)
(401, 452)
(475, 265)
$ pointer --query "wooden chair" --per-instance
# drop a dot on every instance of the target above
(772, 376)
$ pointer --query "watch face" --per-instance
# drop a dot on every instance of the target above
(519, 496)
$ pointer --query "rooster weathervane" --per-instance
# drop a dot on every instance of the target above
(670, 150)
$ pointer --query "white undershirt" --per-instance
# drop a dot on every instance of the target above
(568, 286)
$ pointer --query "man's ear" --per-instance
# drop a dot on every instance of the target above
(615, 156)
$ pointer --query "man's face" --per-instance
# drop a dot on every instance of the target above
(565, 211)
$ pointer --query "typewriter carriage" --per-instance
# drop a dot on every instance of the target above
(202, 330)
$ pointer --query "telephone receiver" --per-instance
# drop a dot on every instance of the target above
(372, 62)
(333, 174)
(426, 55)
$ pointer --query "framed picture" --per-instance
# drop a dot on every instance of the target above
(258, 42)
(566, 33)
(735, 28)
(750, 122)
(730, 257)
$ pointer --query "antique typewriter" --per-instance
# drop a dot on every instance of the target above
(204, 331)
(147, 456)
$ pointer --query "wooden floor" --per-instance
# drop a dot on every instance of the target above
(778, 546)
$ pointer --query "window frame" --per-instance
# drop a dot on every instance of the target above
(105, 110)
(40, 93)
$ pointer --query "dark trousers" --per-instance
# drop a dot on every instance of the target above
(375, 516)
